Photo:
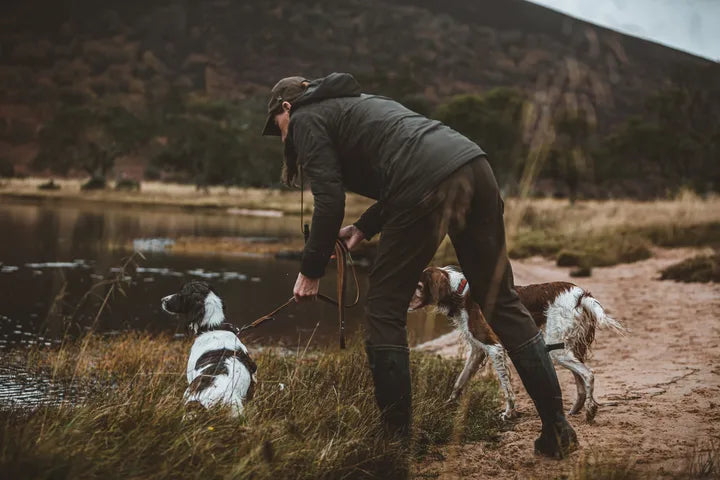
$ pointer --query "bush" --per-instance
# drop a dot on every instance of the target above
(581, 271)
(568, 258)
(702, 268)
(49, 185)
(534, 242)
(95, 183)
(127, 184)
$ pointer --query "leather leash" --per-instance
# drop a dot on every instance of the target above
(342, 259)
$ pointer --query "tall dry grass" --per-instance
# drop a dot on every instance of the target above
(602, 233)
(313, 416)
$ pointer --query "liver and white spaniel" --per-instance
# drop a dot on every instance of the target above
(568, 314)
(219, 370)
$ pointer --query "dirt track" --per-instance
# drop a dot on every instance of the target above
(664, 378)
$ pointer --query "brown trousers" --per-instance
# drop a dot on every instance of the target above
(467, 205)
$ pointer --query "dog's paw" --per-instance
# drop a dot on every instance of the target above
(590, 412)
(453, 398)
(509, 415)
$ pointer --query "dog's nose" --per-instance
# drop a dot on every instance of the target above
(163, 303)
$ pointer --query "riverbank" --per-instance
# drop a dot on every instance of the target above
(584, 235)
(313, 415)
(233, 200)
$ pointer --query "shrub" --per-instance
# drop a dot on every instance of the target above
(94, 183)
(127, 184)
(49, 185)
(702, 268)
(534, 242)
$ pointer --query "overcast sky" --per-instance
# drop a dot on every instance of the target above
(689, 25)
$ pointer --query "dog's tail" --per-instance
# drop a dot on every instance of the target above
(596, 312)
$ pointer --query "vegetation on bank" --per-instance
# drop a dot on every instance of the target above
(313, 416)
(595, 234)
(701, 268)
(585, 234)
(185, 137)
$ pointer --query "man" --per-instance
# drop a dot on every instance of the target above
(428, 180)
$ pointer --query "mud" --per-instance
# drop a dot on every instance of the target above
(659, 386)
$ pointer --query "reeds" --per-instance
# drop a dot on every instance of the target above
(313, 416)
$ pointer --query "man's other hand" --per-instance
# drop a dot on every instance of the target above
(351, 235)
(305, 288)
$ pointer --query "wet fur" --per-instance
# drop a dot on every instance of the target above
(568, 314)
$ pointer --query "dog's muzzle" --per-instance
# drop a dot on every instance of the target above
(163, 304)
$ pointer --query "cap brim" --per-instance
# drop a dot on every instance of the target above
(271, 127)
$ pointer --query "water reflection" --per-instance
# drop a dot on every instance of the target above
(55, 253)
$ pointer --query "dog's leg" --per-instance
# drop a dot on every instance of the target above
(569, 361)
(499, 360)
(580, 400)
(475, 357)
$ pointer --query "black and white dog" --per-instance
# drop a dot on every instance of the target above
(219, 370)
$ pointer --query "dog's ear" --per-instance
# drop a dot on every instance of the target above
(437, 285)
(197, 311)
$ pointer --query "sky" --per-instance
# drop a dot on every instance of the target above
(689, 25)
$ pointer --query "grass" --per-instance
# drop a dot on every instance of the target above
(595, 234)
(701, 268)
(585, 234)
(313, 416)
(701, 463)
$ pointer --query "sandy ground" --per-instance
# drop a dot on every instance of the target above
(663, 379)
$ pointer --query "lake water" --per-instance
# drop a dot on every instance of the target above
(52, 253)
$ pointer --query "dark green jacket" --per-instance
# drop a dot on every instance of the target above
(371, 145)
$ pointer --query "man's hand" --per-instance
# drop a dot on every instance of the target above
(351, 235)
(306, 288)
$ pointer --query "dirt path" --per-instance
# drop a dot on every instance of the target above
(664, 377)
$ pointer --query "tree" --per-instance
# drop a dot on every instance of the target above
(493, 121)
(216, 142)
(568, 159)
(677, 139)
(88, 138)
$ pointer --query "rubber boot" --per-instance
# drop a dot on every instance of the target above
(390, 366)
(537, 373)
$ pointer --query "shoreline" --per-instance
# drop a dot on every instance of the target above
(263, 202)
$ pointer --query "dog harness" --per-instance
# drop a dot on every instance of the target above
(215, 360)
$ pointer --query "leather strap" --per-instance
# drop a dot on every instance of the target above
(342, 259)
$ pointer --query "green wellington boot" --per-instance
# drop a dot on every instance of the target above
(537, 373)
(390, 366)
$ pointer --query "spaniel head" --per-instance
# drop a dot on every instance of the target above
(434, 288)
(198, 303)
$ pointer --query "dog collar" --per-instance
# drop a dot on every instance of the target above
(461, 287)
(228, 327)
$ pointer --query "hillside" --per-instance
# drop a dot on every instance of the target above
(130, 53)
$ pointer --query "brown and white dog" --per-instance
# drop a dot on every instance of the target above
(567, 312)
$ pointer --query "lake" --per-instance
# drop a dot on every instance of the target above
(53, 253)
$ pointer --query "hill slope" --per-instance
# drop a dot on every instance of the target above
(130, 52)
